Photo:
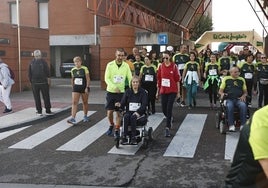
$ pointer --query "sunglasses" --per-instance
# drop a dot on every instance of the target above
(263, 57)
(165, 58)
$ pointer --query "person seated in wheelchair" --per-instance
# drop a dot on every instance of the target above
(134, 103)
(233, 88)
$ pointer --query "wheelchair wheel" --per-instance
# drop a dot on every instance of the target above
(150, 132)
(117, 140)
(222, 127)
(145, 143)
(217, 120)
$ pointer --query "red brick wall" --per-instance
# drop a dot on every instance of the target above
(28, 12)
(111, 38)
(31, 39)
(67, 17)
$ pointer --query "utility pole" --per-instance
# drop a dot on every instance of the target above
(19, 50)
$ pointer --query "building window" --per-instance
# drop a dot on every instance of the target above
(43, 15)
(13, 13)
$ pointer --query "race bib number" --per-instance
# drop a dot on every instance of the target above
(212, 72)
(133, 106)
(78, 81)
(165, 82)
(181, 66)
(248, 75)
(118, 79)
(149, 78)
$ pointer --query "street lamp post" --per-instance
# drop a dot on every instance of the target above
(19, 51)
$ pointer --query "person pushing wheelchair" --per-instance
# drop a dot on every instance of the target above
(134, 103)
(234, 90)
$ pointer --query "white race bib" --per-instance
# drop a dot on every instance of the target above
(181, 66)
(248, 75)
(118, 79)
(149, 78)
(165, 82)
(134, 106)
(212, 72)
(78, 81)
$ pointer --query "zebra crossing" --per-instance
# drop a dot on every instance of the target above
(184, 143)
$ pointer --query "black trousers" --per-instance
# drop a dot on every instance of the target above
(167, 101)
(43, 88)
(130, 119)
(151, 89)
(263, 92)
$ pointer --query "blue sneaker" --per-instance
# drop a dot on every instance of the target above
(72, 121)
(85, 119)
(110, 131)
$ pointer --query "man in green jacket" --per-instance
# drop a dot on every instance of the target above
(116, 73)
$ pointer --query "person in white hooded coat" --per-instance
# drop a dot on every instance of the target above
(6, 83)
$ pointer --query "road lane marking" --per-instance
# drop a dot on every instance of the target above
(86, 138)
(6, 134)
(185, 141)
(230, 144)
(153, 121)
(47, 133)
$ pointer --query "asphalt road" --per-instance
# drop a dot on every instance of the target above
(51, 152)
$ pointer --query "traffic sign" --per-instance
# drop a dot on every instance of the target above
(162, 38)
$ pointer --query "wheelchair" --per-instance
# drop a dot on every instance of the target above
(143, 132)
(221, 119)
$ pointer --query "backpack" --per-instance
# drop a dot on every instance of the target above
(11, 73)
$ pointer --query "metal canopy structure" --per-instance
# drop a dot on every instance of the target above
(174, 16)
(263, 6)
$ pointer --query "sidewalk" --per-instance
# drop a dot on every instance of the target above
(61, 97)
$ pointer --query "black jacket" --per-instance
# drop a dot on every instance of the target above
(131, 97)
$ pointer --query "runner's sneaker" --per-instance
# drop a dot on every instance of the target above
(39, 113)
(49, 113)
(133, 141)
(116, 134)
(7, 110)
(85, 119)
(110, 131)
(124, 141)
(178, 101)
(232, 128)
(183, 104)
(194, 101)
(167, 132)
(72, 121)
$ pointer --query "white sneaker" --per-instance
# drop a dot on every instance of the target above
(231, 128)
(241, 127)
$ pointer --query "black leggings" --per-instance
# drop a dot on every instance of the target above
(213, 92)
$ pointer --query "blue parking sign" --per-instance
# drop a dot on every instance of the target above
(162, 38)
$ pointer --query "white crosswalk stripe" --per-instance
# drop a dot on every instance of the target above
(153, 121)
(183, 144)
(186, 139)
(230, 144)
(42, 136)
(6, 134)
(86, 138)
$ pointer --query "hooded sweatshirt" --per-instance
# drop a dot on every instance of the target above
(5, 78)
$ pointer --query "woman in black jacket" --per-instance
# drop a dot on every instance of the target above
(134, 102)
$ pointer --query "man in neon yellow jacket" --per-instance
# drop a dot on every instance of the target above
(116, 73)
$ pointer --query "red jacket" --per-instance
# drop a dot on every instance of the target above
(168, 78)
